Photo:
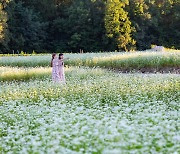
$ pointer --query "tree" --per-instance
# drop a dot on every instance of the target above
(26, 30)
(89, 25)
(80, 26)
(165, 18)
(144, 25)
(3, 27)
(118, 25)
(169, 13)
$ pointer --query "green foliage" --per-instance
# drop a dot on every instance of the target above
(156, 22)
(27, 32)
(142, 21)
(3, 26)
(88, 25)
(118, 25)
(80, 27)
(2, 21)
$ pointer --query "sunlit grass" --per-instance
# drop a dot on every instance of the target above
(14, 73)
(122, 61)
(132, 61)
(23, 74)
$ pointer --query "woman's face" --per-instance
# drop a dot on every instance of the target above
(61, 57)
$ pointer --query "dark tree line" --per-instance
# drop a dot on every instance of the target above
(89, 25)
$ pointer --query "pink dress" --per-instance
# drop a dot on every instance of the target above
(61, 71)
(55, 70)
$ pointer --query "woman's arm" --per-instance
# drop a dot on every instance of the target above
(66, 59)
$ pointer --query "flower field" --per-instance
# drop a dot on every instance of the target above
(96, 111)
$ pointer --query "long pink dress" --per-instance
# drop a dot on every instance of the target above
(55, 70)
(61, 71)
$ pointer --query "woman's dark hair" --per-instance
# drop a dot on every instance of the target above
(53, 55)
(61, 54)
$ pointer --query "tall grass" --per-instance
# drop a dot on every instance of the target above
(130, 61)
(123, 61)
(24, 74)
(43, 60)
(14, 73)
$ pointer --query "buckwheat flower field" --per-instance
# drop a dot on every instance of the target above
(97, 111)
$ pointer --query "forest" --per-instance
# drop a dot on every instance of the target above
(45, 26)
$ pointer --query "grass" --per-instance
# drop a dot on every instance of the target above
(24, 74)
(132, 61)
(15, 73)
(95, 112)
(121, 61)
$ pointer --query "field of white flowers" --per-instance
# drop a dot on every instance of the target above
(97, 111)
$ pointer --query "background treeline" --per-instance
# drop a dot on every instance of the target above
(89, 25)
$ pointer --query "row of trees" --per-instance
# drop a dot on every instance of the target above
(89, 25)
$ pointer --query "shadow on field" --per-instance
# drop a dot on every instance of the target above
(174, 70)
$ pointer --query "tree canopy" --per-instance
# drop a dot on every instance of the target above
(88, 25)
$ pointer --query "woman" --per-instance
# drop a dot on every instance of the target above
(61, 67)
(55, 68)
